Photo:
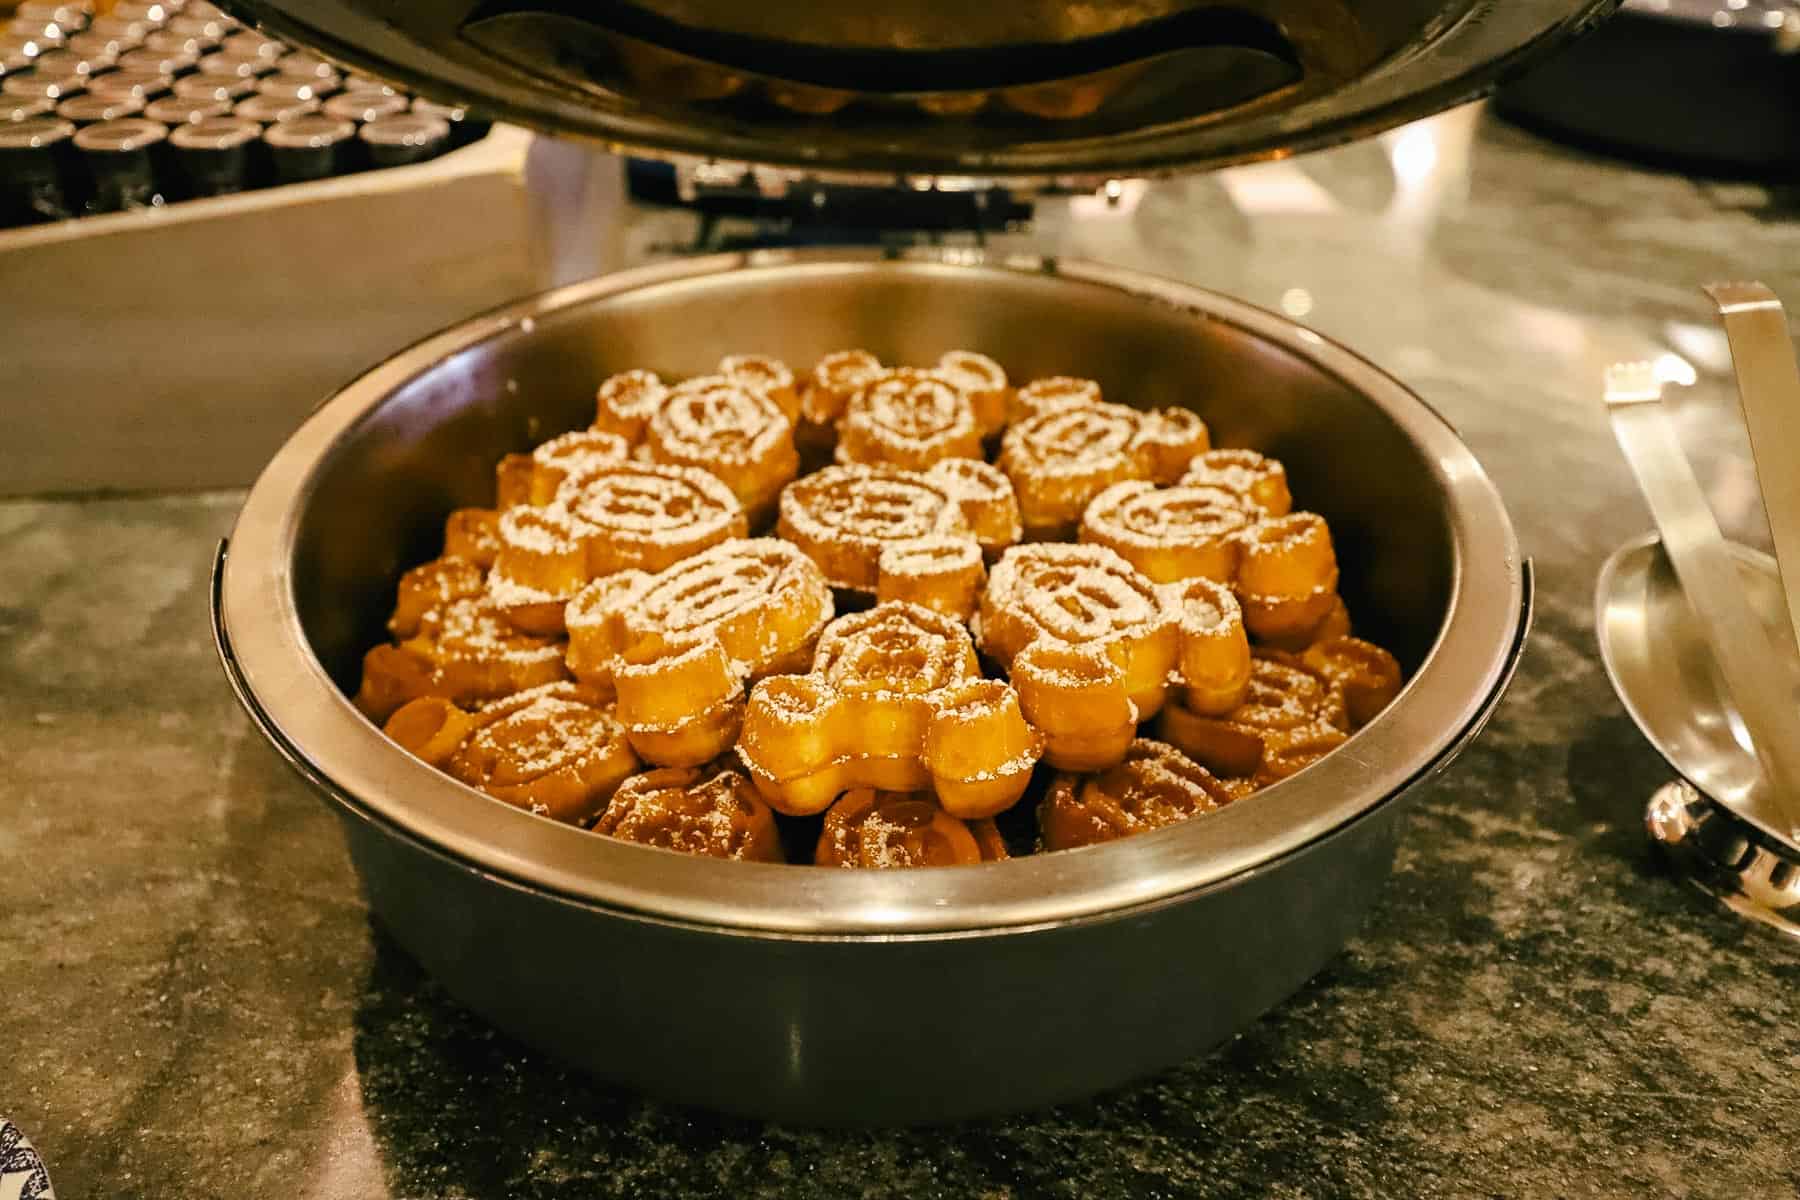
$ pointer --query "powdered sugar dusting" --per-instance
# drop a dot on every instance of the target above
(1207, 608)
(1258, 482)
(758, 371)
(853, 504)
(1053, 394)
(539, 733)
(835, 378)
(1075, 594)
(894, 648)
(909, 419)
(627, 401)
(927, 557)
(474, 630)
(971, 373)
(713, 421)
(1140, 514)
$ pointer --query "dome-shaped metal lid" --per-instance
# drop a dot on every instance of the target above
(1013, 89)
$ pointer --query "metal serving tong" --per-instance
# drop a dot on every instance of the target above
(1732, 827)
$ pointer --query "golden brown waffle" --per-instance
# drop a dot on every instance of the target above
(1153, 786)
(908, 419)
(894, 701)
(770, 376)
(430, 586)
(886, 830)
(1092, 645)
(1290, 717)
(732, 431)
(1287, 579)
(1169, 534)
(1367, 676)
(1060, 460)
(608, 517)
(711, 810)
(555, 750)
(465, 651)
(1051, 394)
(474, 534)
(680, 645)
(626, 402)
(901, 534)
(834, 379)
(1261, 482)
(983, 383)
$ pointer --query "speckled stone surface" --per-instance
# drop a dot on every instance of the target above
(195, 1003)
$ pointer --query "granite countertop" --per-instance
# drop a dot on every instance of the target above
(195, 1003)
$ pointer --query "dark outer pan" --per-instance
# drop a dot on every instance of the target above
(863, 996)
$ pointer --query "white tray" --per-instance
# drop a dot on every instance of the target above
(177, 348)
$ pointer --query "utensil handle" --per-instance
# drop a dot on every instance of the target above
(1738, 639)
(1768, 381)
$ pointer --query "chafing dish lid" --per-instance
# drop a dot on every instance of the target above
(1020, 89)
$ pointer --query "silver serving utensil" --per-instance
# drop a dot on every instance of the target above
(1740, 643)
(1715, 826)
(1768, 379)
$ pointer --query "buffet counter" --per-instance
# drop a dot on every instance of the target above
(197, 1003)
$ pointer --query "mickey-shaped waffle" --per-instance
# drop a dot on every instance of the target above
(895, 700)
(910, 419)
(711, 810)
(680, 645)
(1060, 460)
(734, 425)
(554, 749)
(884, 830)
(735, 432)
(1051, 394)
(534, 478)
(1287, 580)
(834, 379)
(1153, 786)
(1257, 481)
(770, 376)
(983, 383)
(1282, 567)
(1182, 532)
(605, 517)
(445, 641)
(626, 402)
(1295, 710)
(464, 651)
(1092, 645)
(473, 534)
(901, 534)
(430, 586)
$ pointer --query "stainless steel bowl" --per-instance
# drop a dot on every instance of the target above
(842, 996)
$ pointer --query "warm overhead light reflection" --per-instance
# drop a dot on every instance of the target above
(1703, 345)
(1118, 198)
(1269, 188)
(1296, 302)
(1672, 368)
(1414, 152)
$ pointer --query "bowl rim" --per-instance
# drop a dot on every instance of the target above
(314, 724)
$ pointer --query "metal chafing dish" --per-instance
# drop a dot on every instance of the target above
(845, 996)
(1042, 89)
